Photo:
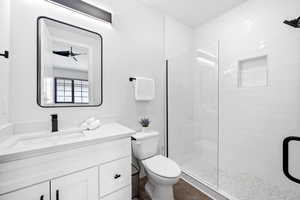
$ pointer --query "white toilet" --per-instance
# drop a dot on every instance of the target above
(162, 172)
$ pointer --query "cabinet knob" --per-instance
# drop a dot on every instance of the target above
(42, 197)
(117, 176)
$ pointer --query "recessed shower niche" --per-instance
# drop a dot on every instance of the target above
(253, 72)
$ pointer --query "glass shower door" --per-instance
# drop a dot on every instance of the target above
(193, 112)
(259, 101)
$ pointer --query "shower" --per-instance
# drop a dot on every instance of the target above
(233, 102)
(296, 24)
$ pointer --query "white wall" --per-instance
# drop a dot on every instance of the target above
(178, 38)
(4, 63)
(255, 120)
(70, 73)
(133, 46)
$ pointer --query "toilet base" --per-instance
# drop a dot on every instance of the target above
(159, 192)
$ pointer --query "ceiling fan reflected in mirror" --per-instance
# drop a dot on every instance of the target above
(69, 53)
(294, 23)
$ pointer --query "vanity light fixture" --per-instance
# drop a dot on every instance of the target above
(97, 4)
(85, 8)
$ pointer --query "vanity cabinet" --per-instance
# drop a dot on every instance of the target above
(93, 172)
(36, 192)
(124, 193)
(77, 186)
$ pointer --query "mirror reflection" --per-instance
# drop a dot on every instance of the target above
(69, 65)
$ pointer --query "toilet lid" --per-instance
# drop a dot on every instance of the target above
(162, 166)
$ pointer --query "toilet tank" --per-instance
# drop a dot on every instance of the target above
(145, 144)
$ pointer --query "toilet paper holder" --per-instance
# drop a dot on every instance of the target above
(132, 79)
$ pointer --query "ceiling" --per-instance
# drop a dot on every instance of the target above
(193, 12)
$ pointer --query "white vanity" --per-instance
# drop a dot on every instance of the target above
(95, 165)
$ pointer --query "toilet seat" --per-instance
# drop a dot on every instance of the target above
(162, 166)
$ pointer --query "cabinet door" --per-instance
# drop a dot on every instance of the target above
(36, 192)
(123, 194)
(78, 186)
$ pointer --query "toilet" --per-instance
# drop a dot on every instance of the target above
(161, 171)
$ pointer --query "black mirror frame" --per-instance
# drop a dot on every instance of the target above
(38, 97)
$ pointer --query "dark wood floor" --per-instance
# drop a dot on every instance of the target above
(182, 191)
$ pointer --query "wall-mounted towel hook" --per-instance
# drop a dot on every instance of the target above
(132, 79)
(5, 54)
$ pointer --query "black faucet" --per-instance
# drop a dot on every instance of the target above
(54, 123)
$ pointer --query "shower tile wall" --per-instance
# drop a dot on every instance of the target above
(255, 120)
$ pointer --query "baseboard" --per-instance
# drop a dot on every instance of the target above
(228, 196)
(205, 188)
(6, 130)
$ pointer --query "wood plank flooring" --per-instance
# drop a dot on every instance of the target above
(182, 191)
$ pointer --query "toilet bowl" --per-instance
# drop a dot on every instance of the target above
(162, 174)
(161, 171)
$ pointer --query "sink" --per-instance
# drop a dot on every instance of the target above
(46, 139)
(33, 144)
(36, 140)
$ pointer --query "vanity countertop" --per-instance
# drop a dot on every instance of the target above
(21, 146)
